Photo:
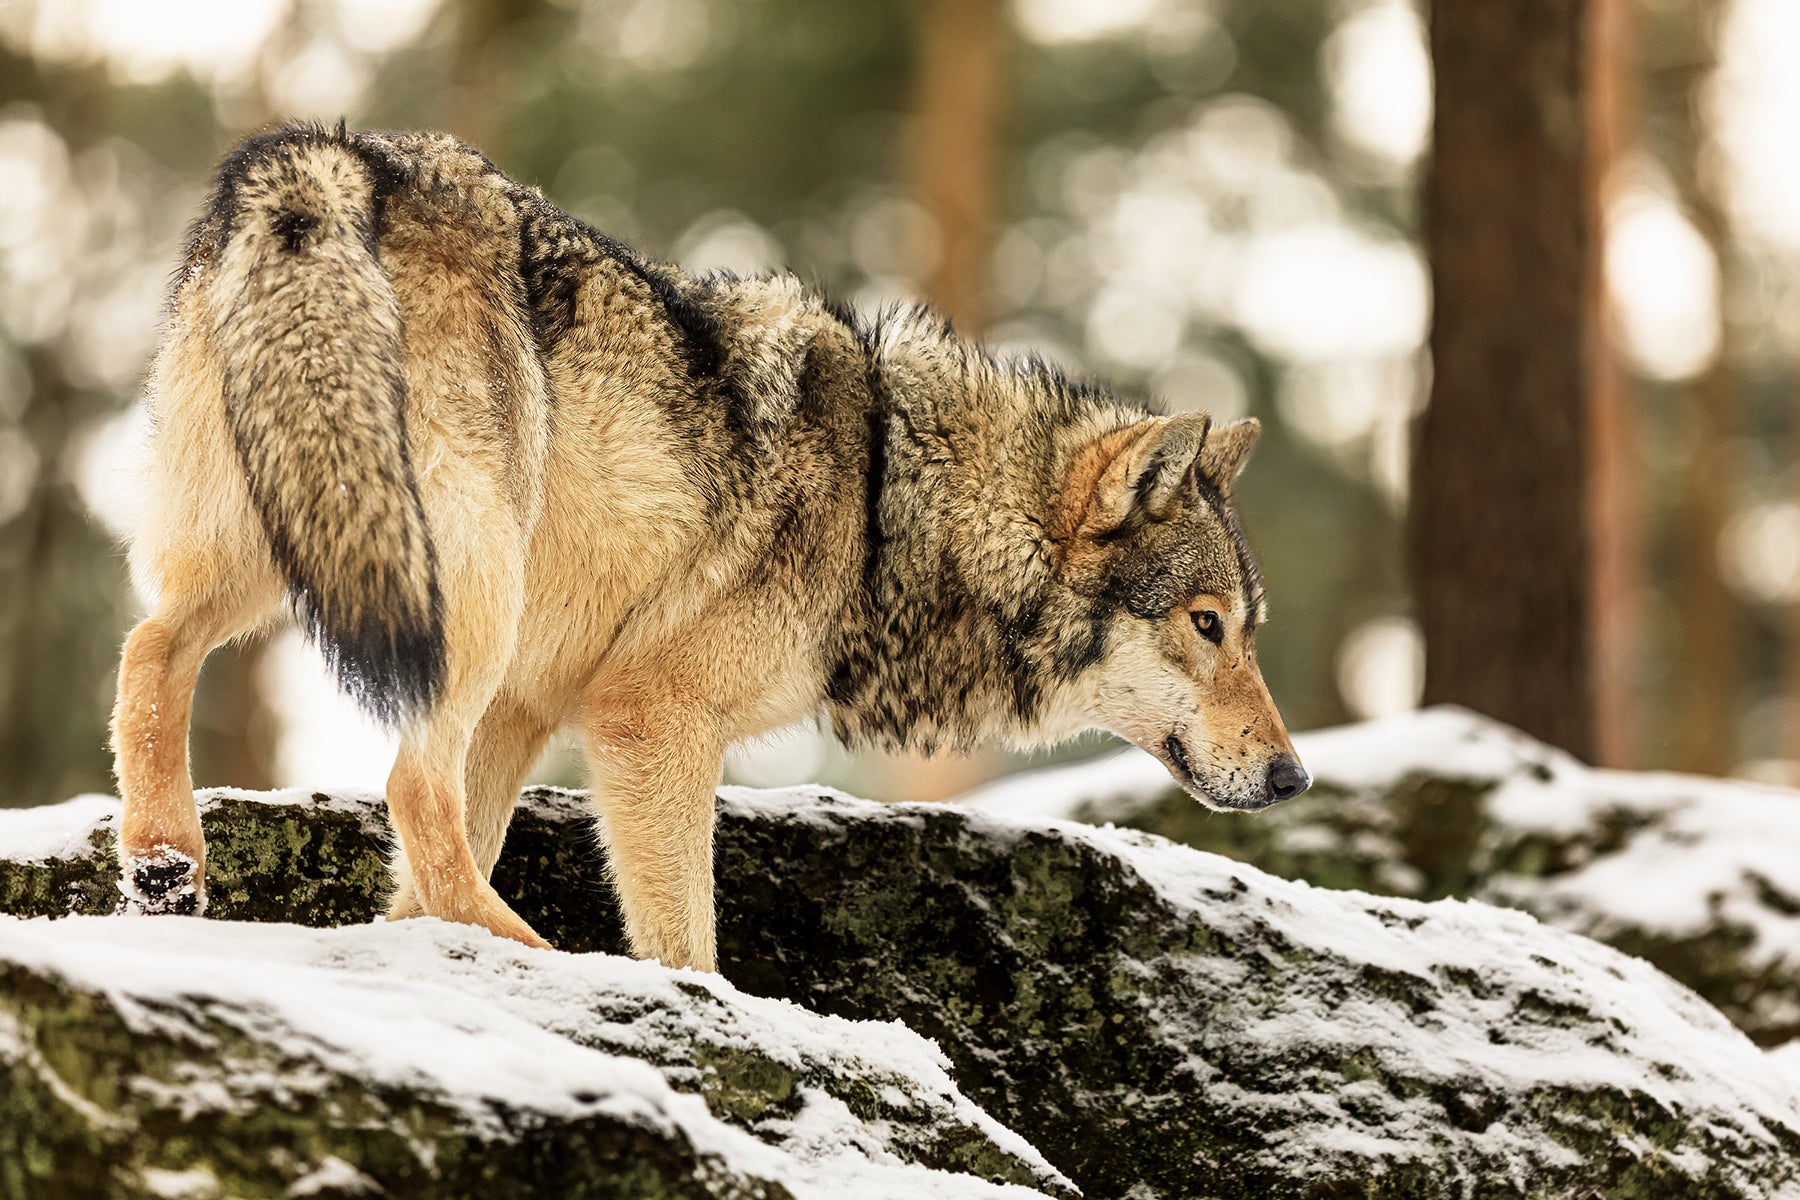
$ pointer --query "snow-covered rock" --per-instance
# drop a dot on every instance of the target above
(1700, 876)
(1157, 1022)
(180, 1057)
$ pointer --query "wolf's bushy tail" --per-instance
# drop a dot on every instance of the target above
(308, 331)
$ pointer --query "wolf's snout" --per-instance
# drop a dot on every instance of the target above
(1287, 778)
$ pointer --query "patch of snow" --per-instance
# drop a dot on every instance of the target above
(1445, 741)
(52, 831)
(791, 803)
(1786, 1061)
(1707, 850)
(60, 831)
(366, 806)
(489, 1025)
(1113, 785)
(336, 1176)
(1666, 1043)
(1696, 853)
(195, 1183)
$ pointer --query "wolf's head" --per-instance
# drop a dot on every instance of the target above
(1146, 536)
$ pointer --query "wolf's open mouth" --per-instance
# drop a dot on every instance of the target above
(1178, 758)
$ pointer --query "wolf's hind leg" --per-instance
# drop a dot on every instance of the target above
(162, 852)
(425, 801)
(506, 744)
(654, 775)
(480, 559)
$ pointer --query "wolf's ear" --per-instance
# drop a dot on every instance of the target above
(1226, 451)
(1151, 472)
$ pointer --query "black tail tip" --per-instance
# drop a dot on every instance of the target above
(393, 669)
(392, 676)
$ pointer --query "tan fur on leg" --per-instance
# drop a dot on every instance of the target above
(426, 805)
(162, 851)
(655, 774)
(479, 563)
(505, 745)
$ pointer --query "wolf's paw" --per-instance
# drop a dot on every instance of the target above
(163, 880)
(481, 905)
(502, 921)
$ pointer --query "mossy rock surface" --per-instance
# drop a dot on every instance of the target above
(158, 1056)
(1156, 1021)
(244, 1055)
(1698, 876)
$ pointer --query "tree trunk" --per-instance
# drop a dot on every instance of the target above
(1615, 499)
(961, 83)
(1500, 501)
(1706, 692)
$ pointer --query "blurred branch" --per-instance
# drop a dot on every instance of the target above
(1615, 499)
(963, 47)
(1708, 675)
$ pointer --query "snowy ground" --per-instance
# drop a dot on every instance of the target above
(1655, 855)
(1305, 1033)
(1694, 850)
(452, 1012)
(1659, 1039)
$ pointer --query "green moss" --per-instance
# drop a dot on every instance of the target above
(743, 1086)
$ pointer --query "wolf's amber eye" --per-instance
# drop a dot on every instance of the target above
(1206, 624)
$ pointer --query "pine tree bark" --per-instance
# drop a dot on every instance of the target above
(1500, 511)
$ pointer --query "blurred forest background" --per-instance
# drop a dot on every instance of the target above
(1588, 513)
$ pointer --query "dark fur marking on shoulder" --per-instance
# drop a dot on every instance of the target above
(1083, 649)
(1024, 688)
(875, 479)
(552, 274)
(389, 172)
(551, 271)
(700, 339)
(855, 666)
(849, 675)
(846, 316)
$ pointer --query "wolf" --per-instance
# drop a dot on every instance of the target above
(513, 476)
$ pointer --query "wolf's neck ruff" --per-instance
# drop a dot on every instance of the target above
(957, 635)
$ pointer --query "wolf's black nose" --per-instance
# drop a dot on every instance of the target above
(1287, 779)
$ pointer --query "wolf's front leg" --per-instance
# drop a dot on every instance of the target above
(654, 775)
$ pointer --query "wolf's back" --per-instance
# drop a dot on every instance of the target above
(308, 332)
